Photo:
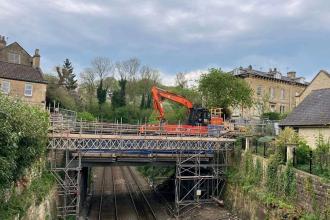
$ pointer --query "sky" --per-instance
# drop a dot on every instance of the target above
(174, 35)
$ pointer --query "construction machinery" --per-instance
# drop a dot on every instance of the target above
(200, 120)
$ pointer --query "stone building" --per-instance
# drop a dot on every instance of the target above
(320, 81)
(20, 74)
(311, 118)
(273, 91)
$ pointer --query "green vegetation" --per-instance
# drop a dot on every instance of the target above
(225, 90)
(34, 194)
(154, 172)
(273, 116)
(120, 91)
(23, 137)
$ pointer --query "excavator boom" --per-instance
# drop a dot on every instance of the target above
(160, 94)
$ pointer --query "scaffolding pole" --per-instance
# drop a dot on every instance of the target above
(196, 182)
(66, 168)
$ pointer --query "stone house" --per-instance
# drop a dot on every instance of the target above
(311, 118)
(320, 81)
(273, 91)
(20, 74)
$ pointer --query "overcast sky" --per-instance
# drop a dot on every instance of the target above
(174, 35)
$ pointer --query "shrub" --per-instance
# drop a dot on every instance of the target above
(23, 137)
(271, 115)
(86, 116)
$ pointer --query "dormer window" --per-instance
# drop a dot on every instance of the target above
(278, 75)
(14, 58)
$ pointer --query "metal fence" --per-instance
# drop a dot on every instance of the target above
(313, 162)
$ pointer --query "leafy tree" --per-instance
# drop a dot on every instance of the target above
(220, 89)
(143, 104)
(101, 93)
(118, 97)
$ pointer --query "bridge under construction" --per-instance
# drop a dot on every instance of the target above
(200, 160)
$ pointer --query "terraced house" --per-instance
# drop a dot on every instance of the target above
(20, 74)
(273, 91)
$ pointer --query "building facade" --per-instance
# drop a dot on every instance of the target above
(272, 91)
(311, 118)
(320, 81)
(20, 74)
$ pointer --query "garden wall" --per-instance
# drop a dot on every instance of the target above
(312, 195)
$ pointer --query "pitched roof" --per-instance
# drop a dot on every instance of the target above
(314, 110)
(244, 72)
(20, 72)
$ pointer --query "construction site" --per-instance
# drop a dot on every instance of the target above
(94, 165)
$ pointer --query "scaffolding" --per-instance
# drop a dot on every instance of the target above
(197, 182)
(66, 168)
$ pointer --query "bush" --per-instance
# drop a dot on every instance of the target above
(23, 138)
(302, 153)
(271, 116)
(86, 116)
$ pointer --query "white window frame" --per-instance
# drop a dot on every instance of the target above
(26, 89)
(14, 58)
(3, 87)
(282, 108)
(259, 90)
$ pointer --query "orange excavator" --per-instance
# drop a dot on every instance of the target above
(199, 119)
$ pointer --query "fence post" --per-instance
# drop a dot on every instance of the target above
(256, 145)
(247, 142)
(289, 153)
(264, 149)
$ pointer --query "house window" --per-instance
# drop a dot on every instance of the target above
(5, 87)
(271, 93)
(14, 58)
(28, 89)
(282, 94)
(282, 109)
(259, 90)
(272, 107)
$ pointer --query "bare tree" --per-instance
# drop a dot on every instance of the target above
(102, 66)
(180, 80)
(128, 69)
(88, 77)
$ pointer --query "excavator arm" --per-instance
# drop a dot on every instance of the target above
(160, 94)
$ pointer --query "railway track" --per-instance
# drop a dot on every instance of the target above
(107, 199)
(144, 209)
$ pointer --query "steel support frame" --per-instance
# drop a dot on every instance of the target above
(68, 177)
(196, 182)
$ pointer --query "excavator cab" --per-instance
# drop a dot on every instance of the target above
(199, 116)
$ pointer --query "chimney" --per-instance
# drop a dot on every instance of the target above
(36, 59)
(291, 74)
(3, 42)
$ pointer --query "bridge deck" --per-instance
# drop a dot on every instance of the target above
(134, 142)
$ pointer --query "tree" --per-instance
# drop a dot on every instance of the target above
(101, 94)
(66, 76)
(181, 80)
(128, 70)
(220, 89)
(102, 67)
(88, 78)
